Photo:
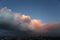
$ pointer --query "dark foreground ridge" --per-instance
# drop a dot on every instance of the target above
(29, 38)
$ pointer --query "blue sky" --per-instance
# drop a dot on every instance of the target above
(45, 10)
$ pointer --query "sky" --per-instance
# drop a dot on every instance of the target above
(45, 10)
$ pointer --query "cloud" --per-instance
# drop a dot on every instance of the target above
(13, 21)
(52, 29)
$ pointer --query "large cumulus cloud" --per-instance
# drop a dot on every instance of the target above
(16, 21)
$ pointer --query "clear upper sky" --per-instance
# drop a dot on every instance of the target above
(46, 10)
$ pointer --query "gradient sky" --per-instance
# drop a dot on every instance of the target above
(46, 10)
